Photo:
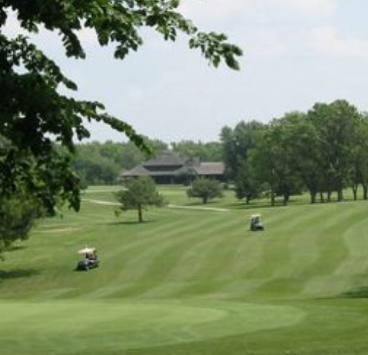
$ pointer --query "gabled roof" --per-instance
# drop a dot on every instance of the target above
(165, 159)
(139, 170)
(210, 168)
(170, 164)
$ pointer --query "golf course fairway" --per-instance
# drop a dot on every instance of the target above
(190, 281)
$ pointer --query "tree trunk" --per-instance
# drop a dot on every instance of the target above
(313, 196)
(329, 193)
(355, 191)
(365, 190)
(340, 195)
(140, 214)
(272, 198)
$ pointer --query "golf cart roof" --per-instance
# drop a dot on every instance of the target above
(255, 215)
(87, 250)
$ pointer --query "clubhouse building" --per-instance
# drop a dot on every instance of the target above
(169, 168)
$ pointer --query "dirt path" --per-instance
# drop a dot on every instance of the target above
(170, 206)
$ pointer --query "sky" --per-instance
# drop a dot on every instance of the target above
(296, 53)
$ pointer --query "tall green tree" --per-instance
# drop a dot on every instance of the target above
(18, 214)
(337, 124)
(237, 143)
(299, 141)
(306, 157)
(247, 185)
(273, 160)
(359, 169)
(139, 194)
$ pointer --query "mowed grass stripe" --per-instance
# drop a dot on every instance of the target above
(136, 255)
(356, 240)
(332, 251)
(194, 256)
(335, 274)
(204, 263)
(198, 228)
(304, 252)
(268, 253)
(273, 252)
(147, 266)
(308, 245)
(170, 266)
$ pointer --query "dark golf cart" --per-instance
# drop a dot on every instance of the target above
(89, 259)
(256, 223)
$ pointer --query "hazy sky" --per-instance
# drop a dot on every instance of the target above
(296, 53)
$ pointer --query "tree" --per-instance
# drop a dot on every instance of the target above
(17, 216)
(206, 189)
(304, 143)
(237, 143)
(94, 167)
(34, 113)
(246, 183)
(337, 124)
(139, 194)
(359, 170)
(30, 189)
(273, 161)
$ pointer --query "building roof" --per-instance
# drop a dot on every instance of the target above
(170, 164)
(139, 170)
(210, 168)
(165, 159)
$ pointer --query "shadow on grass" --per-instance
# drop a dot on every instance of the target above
(361, 292)
(16, 274)
(15, 248)
(278, 204)
(252, 206)
(131, 223)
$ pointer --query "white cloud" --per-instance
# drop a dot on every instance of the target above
(326, 40)
(308, 7)
(223, 9)
(316, 41)
(269, 44)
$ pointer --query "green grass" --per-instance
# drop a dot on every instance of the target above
(190, 281)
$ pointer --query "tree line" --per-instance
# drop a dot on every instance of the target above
(322, 151)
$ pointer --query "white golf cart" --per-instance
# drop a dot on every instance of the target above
(89, 259)
(256, 222)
